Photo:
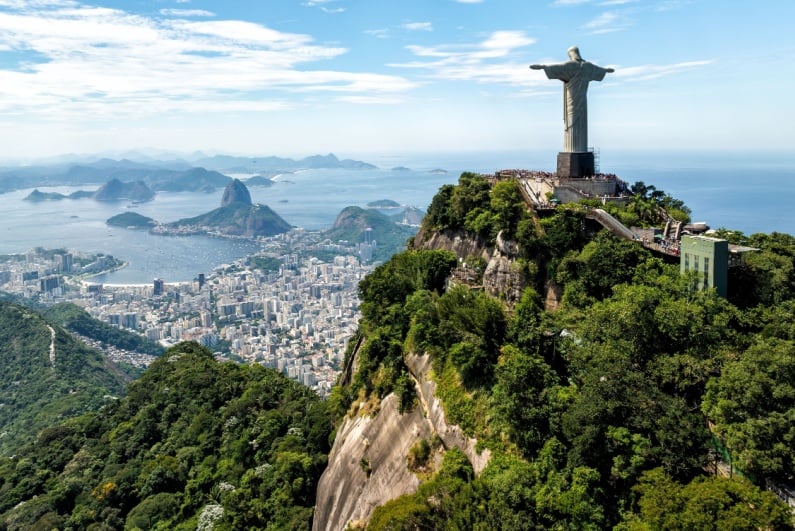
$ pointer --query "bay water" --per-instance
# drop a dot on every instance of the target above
(750, 192)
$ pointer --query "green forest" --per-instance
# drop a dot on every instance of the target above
(46, 376)
(194, 444)
(611, 412)
(76, 319)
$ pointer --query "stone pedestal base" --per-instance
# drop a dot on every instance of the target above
(575, 165)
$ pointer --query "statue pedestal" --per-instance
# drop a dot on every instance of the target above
(575, 165)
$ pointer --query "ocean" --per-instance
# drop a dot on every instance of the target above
(749, 192)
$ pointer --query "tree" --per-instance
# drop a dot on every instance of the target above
(508, 206)
(704, 503)
(752, 404)
(520, 397)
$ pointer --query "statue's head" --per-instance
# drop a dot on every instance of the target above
(574, 54)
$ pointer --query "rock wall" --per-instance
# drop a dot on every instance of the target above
(460, 242)
(348, 492)
(368, 466)
(502, 277)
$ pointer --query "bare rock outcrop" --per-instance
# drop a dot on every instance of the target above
(368, 463)
(502, 276)
(460, 242)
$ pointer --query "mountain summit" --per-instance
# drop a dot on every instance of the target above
(236, 192)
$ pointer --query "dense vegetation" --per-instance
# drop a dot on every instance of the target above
(131, 220)
(195, 444)
(596, 414)
(352, 223)
(45, 376)
(76, 319)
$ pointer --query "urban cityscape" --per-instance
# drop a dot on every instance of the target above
(293, 306)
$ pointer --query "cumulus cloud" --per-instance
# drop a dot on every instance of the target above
(92, 61)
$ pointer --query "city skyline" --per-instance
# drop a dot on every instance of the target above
(356, 77)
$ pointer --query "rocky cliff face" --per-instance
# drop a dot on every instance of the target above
(235, 192)
(368, 464)
(502, 276)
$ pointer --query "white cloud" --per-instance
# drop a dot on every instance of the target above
(186, 13)
(469, 1)
(418, 26)
(88, 61)
(321, 4)
(647, 72)
(372, 100)
(382, 33)
(488, 61)
(607, 22)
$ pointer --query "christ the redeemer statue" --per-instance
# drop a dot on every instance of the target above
(575, 74)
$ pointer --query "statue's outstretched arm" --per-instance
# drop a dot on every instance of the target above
(608, 70)
(538, 67)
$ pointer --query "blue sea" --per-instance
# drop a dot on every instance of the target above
(749, 192)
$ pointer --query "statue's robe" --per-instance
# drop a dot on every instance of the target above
(575, 75)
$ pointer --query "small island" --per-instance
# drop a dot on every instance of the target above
(259, 180)
(401, 168)
(383, 203)
(37, 196)
(131, 220)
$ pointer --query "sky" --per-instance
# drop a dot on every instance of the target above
(359, 77)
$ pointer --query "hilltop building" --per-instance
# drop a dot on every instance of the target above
(709, 257)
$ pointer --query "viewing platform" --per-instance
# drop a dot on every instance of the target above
(544, 190)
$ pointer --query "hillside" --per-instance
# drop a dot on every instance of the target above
(352, 223)
(235, 217)
(46, 376)
(76, 319)
(562, 379)
(192, 180)
(195, 443)
(115, 190)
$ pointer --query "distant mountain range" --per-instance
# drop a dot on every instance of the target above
(177, 175)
